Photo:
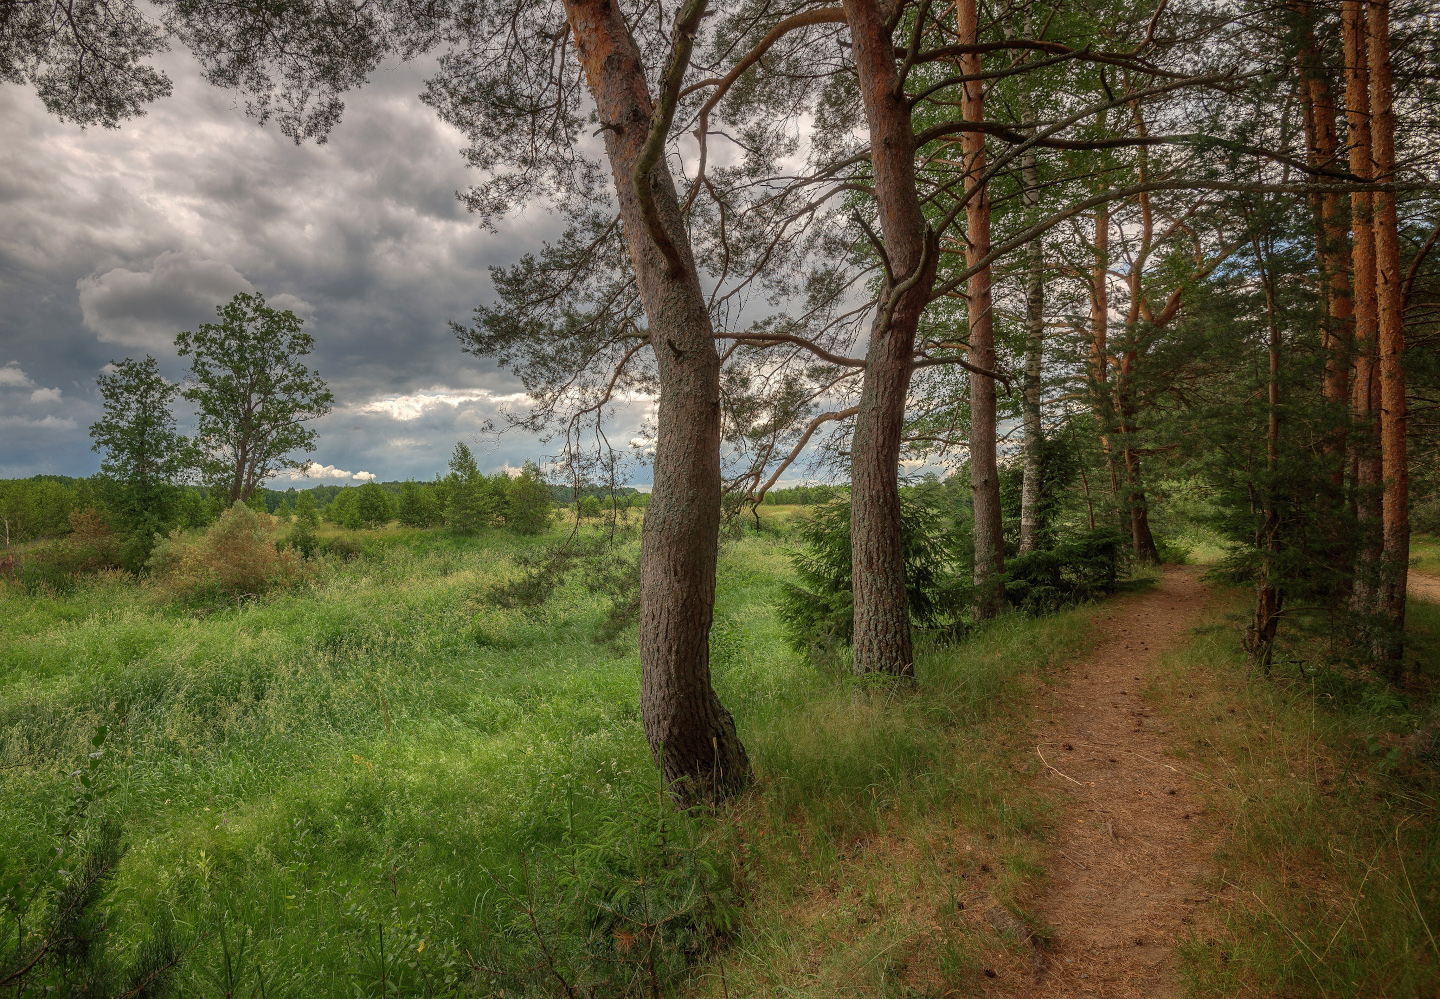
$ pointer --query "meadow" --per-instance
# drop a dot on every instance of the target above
(380, 782)
(377, 783)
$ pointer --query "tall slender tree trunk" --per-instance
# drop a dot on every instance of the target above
(1260, 635)
(984, 471)
(1032, 485)
(1390, 347)
(1099, 347)
(1365, 388)
(882, 614)
(691, 735)
(1323, 142)
(1142, 541)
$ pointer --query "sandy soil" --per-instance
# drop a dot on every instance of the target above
(1131, 848)
(1424, 587)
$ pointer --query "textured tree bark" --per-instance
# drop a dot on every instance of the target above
(1142, 541)
(691, 735)
(1099, 348)
(1365, 388)
(984, 472)
(1390, 346)
(882, 613)
(1034, 357)
(1323, 142)
(1260, 635)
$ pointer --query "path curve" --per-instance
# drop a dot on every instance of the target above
(1130, 851)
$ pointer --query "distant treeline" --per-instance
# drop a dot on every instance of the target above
(802, 495)
(41, 506)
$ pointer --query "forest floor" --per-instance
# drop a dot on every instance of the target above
(1132, 843)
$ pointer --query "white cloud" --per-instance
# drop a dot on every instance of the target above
(11, 375)
(43, 395)
(314, 470)
(413, 406)
(48, 423)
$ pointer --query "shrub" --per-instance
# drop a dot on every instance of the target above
(1425, 516)
(1076, 568)
(302, 534)
(419, 506)
(819, 613)
(343, 510)
(529, 508)
(373, 507)
(237, 556)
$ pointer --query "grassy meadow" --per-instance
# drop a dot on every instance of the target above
(376, 783)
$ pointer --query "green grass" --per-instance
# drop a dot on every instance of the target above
(378, 761)
(1324, 782)
(1425, 549)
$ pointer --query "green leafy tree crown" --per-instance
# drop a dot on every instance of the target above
(137, 433)
(252, 393)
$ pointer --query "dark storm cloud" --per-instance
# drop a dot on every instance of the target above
(116, 240)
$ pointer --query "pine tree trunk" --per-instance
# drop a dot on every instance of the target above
(1365, 388)
(1390, 326)
(691, 735)
(882, 613)
(1330, 234)
(1142, 541)
(1099, 347)
(1034, 355)
(984, 472)
(1260, 635)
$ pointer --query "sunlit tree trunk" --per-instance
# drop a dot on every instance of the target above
(984, 472)
(691, 735)
(1390, 346)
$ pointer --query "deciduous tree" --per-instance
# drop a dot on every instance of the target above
(252, 393)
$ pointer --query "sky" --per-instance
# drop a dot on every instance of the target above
(113, 241)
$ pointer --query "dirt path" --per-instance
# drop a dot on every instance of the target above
(1129, 852)
(1424, 586)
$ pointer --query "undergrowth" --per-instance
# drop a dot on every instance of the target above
(1326, 781)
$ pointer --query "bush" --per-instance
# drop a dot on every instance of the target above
(302, 534)
(1076, 568)
(819, 613)
(1425, 516)
(528, 511)
(373, 507)
(237, 556)
(419, 505)
(343, 511)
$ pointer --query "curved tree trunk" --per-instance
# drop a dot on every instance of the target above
(984, 472)
(882, 613)
(691, 735)
(1390, 347)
